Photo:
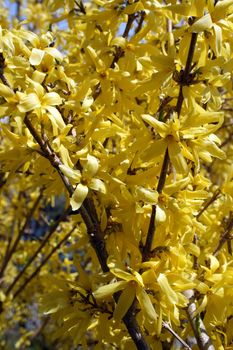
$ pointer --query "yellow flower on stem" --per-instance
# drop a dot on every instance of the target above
(214, 23)
(170, 139)
(41, 102)
(183, 138)
(131, 285)
(86, 180)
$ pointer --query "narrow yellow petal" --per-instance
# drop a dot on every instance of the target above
(109, 289)
(160, 215)
(176, 186)
(125, 301)
(28, 103)
(97, 185)
(203, 23)
(155, 150)
(146, 195)
(218, 39)
(70, 173)
(6, 92)
(87, 102)
(166, 289)
(78, 196)
(177, 157)
(65, 156)
(51, 99)
(96, 60)
(91, 166)
(52, 51)
(55, 117)
(160, 127)
(122, 274)
(146, 304)
(36, 57)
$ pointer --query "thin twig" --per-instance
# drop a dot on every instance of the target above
(209, 202)
(118, 53)
(170, 330)
(52, 229)
(18, 9)
(2, 66)
(198, 327)
(185, 75)
(151, 230)
(5, 259)
(162, 177)
(20, 233)
(94, 232)
(226, 235)
(29, 279)
(140, 22)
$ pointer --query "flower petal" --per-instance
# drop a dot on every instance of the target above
(70, 173)
(146, 304)
(218, 39)
(156, 149)
(52, 51)
(6, 92)
(202, 24)
(78, 196)
(177, 157)
(146, 195)
(28, 103)
(55, 117)
(51, 99)
(91, 167)
(166, 289)
(160, 215)
(124, 302)
(97, 185)
(160, 127)
(109, 289)
(36, 57)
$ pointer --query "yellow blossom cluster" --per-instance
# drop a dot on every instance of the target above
(116, 116)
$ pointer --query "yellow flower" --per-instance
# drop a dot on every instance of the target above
(132, 286)
(86, 180)
(39, 101)
(190, 137)
(213, 22)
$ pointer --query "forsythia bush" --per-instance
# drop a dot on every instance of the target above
(116, 116)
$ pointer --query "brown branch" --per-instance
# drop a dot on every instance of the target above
(2, 66)
(140, 22)
(5, 258)
(128, 26)
(118, 54)
(52, 229)
(185, 74)
(36, 272)
(226, 235)
(95, 236)
(162, 177)
(92, 226)
(80, 6)
(18, 9)
(20, 233)
(90, 219)
(170, 330)
(133, 328)
(48, 153)
(209, 202)
(152, 227)
(198, 327)
(40, 328)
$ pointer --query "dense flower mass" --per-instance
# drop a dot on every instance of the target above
(116, 174)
